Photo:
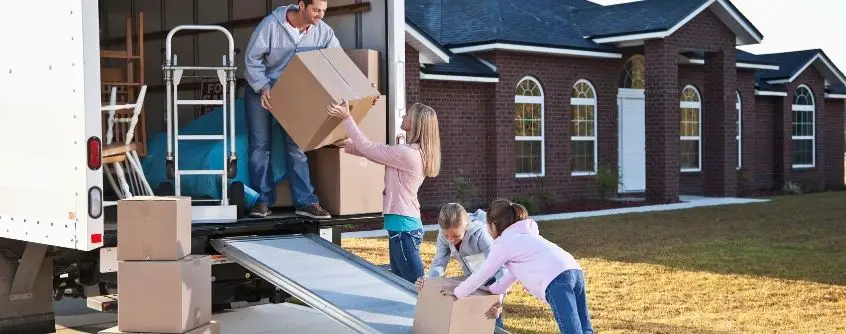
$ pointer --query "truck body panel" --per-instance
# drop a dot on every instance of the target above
(49, 110)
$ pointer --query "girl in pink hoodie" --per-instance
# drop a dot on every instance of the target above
(406, 165)
(547, 271)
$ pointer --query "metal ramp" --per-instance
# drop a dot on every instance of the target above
(354, 292)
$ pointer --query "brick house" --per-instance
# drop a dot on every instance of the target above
(535, 98)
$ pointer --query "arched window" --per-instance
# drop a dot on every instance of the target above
(739, 106)
(691, 128)
(804, 129)
(634, 73)
(528, 128)
(583, 146)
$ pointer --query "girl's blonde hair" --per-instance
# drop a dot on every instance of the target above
(452, 215)
(424, 132)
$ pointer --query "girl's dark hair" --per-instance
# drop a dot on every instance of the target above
(502, 213)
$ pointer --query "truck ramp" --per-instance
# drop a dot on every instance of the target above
(356, 293)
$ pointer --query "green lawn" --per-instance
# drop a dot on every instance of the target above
(760, 268)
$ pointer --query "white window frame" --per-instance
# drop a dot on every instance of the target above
(739, 137)
(813, 136)
(541, 138)
(698, 139)
(586, 102)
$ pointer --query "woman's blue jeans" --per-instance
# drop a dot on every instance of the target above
(404, 254)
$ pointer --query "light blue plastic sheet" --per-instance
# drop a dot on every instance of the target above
(207, 154)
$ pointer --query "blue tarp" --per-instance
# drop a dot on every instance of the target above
(206, 154)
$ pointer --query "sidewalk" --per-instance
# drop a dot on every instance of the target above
(687, 202)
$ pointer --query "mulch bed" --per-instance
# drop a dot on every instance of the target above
(431, 217)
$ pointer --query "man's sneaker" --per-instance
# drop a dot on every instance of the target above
(313, 211)
(260, 211)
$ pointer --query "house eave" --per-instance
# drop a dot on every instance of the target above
(500, 46)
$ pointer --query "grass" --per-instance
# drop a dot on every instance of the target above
(755, 268)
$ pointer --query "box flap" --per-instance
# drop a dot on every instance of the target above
(154, 198)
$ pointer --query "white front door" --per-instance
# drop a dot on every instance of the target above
(632, 139)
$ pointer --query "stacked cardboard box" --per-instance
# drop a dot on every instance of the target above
(439, 314)
(345, 184)
(162, 288)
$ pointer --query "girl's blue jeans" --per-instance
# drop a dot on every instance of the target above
(566, 295)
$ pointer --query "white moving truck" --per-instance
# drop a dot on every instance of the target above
(54, 225)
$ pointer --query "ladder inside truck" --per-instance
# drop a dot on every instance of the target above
(354, 292)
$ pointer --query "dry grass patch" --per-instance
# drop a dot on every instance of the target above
(758, 268)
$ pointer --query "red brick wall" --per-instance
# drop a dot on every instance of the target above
(557, 76)
(462, 108)
(834, 120)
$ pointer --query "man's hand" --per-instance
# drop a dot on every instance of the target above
(419, 284)
(494, 311)
(265, 98)
(341, 110)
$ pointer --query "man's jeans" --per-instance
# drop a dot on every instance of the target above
(404, 254)
(566, 295)
(260, 123)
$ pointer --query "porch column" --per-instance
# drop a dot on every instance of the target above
(782, 139)
(719, 117)
(662, 121)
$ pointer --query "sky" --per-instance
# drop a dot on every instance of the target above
(790, 25)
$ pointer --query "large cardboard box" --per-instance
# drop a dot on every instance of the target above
(152, 228)
(164, 296)
(375, 124)
(439, 314)
(346, 184)
(283, 195)
(368, 62)
(312, 81)
(210, 328)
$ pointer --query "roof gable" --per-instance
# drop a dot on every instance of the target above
(792, 64)
(651, 19)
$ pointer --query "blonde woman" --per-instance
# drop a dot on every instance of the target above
(406, 165)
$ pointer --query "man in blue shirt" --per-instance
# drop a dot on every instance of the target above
(277, 38)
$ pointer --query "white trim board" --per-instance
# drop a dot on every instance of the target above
(835, 96)
(740, 65)
(828, 66)
(769, 93)
(536, 49)
(726, 13)
(463, 78)
(424, 45)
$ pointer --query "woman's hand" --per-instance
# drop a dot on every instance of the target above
(343, 143)
(341, 110)
(376, 101)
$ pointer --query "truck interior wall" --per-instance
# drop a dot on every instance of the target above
(358, 30)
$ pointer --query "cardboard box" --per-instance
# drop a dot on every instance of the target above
(346, 184)
(164, 296)
(210, 328)
(368, 62)
(375, 123)
(439, 314)
(152, 228)
(283, 195)
(312, 81)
